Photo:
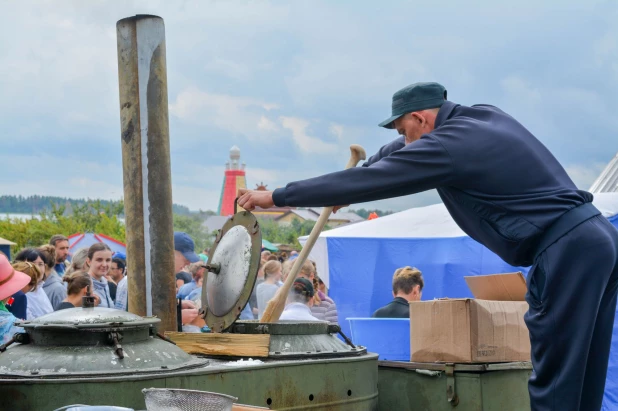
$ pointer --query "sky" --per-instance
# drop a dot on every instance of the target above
(293, 84)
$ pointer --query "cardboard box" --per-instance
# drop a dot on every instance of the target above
(487, 328)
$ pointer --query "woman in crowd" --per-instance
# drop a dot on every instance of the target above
(11, 281)
(323, 307)
(99, 262)
(253, 299)
(299, 302)
(78, 283)
(53, 286)
(78, 261)
(38, 302)
(266, 291)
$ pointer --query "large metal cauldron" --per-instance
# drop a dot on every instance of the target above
(81, 342)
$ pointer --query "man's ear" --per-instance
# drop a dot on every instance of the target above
(419, 118)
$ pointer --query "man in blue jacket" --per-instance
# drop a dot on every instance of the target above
(507, 191)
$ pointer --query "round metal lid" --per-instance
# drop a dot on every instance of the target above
(97, 317)
(236, 254)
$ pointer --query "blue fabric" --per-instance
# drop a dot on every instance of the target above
(195, 294)
(59, 269)
(7, 327)
(185, 290)
(19, 306)
(610, 400)
(362, 285)
(246, 313)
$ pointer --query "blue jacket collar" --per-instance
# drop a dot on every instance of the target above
(445, 113)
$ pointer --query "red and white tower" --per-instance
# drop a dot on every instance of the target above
(233, 180)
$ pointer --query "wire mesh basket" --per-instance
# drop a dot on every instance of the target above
(166, 399)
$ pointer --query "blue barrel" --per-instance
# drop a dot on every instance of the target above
(388, 337)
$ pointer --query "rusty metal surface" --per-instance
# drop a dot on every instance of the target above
(142, 80)
(338, 384)
(237, 251)
(283, 327)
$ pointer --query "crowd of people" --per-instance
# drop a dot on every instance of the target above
(41, 280)
(307, 300)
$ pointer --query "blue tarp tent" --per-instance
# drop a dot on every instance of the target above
(357, 262)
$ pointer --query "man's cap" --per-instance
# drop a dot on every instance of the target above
(303, 286)
(120, 254)
(185, 245)
(415, 97)
(11, 280)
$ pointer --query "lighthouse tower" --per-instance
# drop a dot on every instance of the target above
(233, 180)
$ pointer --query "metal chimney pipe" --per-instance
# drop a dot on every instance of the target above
(142, 80)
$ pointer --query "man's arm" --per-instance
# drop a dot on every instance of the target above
(420, 166)
(386, 150)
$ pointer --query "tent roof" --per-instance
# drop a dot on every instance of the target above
(85, 240)
(608, 179)
(4, 241)
(269, 246)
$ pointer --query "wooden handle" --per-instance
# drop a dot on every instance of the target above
(277, 303)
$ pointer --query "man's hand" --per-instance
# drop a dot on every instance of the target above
(249, 199)
(189, 311)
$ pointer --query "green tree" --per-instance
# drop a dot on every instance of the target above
(192, 225)
(286, 234)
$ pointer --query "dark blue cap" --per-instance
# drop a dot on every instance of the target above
(415, 97)
(185, 245)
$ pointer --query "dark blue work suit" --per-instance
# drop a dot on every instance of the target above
(508, 192)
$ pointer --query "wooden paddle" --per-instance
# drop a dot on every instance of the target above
(277, 303)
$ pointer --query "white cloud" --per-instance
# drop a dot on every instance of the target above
(267, 125)
(196, 197)
(584, 175)
(519, 89)
(228, 68)
(231, 113)
(305, 142)
(337, 131)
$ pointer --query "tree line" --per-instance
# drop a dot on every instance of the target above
(60, 215)
(36, 204)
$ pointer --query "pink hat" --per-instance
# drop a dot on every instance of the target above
(11, 281)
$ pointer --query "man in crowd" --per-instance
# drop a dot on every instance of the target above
(506, 190)
(61, 243)
(184, 254)
(117, 273)
(407, 286)
(184, 251)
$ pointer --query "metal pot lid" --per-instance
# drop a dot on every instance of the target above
(233, 264)
(97, 317)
